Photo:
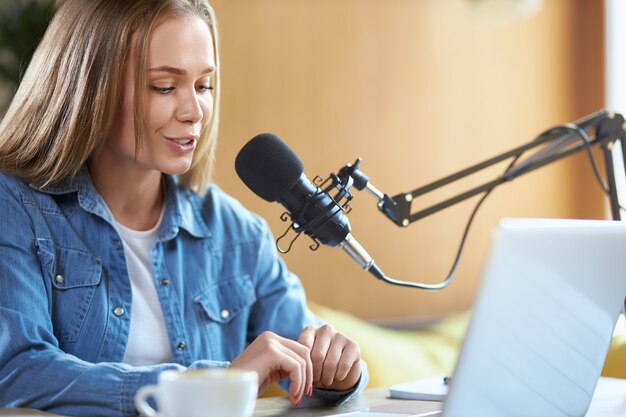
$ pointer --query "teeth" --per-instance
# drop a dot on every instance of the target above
(183, 141)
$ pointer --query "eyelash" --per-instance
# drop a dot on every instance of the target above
(167, 90)
(162, 90)
(206, 87)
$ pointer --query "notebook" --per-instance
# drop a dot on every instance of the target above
(542, 319)
(427, 389)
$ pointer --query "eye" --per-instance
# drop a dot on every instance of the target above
(162, 90)
(204, 88)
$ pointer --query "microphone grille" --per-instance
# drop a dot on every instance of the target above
(268, 166)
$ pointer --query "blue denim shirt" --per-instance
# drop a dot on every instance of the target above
(65, 295)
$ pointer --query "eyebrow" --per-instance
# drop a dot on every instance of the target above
(178, 71)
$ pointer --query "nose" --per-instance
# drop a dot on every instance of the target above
(190, 109)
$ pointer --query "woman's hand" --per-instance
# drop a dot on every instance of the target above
(275, 358)
(336, 359)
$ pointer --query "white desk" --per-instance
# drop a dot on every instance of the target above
(609, 401)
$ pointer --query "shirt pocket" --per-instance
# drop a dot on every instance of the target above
(74, 276)
(226, 307)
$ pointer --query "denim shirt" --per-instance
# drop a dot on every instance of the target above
(66, 302)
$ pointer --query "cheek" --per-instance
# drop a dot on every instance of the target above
(207, 110)
(123, 132)
(159, 113)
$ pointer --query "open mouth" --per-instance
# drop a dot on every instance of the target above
(183, 141)
(185, 144)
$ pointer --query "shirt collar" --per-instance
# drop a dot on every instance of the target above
(181, 205)
(182, 210)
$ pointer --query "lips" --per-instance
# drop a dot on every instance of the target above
(182, 144)
(183, 140)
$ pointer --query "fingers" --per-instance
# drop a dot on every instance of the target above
(286, 361)
(307, 338)
(335, 357)
(351, 355)
(274, 358)
(323, 338)
(295, 366)
(294, 359)
(321, 357)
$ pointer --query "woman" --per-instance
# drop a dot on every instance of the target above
(119, 260)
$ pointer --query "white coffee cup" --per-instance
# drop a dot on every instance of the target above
(200, 393)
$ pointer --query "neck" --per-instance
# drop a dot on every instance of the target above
(134, 197)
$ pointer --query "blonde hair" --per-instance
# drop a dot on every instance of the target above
(66, 103)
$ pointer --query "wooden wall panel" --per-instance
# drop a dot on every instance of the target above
(418, 89)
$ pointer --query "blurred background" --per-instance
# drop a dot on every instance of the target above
(419, 89)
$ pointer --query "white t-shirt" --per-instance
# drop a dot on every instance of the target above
(148, 343)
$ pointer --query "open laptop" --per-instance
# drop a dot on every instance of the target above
(542, 320)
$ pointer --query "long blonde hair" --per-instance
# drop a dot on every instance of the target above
(68, 98)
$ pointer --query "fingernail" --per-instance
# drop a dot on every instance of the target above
(310, 390)
(299, 401)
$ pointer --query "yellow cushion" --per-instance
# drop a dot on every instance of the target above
(615, 364)
(397, 356)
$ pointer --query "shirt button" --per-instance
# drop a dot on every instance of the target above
(165, 282)
(59, 279)
(225, 314)
(117, 244)
(181, 345)
(118, 311)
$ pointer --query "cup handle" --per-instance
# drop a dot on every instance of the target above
(141, 397)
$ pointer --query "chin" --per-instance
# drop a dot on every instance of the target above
(177, 169)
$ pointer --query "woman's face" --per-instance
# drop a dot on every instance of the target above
(179, 100)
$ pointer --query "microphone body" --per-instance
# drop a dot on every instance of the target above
(323, 219)
(275, 173)
(315, 213)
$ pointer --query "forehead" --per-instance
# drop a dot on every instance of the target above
(182, 42)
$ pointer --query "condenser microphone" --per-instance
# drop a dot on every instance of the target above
(275, 173)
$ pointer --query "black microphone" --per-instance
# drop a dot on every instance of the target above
(275, 173)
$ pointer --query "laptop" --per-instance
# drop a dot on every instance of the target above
(542, 320)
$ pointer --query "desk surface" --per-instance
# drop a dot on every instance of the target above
(372, 399)
(609, 401)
